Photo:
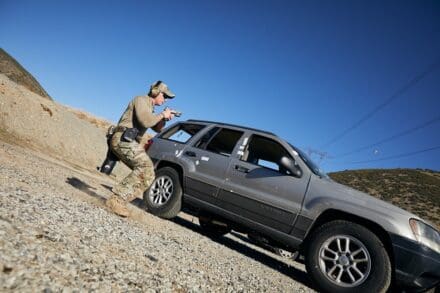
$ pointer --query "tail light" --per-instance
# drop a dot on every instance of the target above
(148, 144)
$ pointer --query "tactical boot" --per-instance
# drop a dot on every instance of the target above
(118, 206)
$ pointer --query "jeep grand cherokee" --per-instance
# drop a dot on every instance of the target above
(252, 181)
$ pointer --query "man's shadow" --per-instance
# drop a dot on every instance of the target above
(284, 268)
(89, 190)
(84, 187)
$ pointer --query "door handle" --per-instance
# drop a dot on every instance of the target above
(190, 154)
(242, 169)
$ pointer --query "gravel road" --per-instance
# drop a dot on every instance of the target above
(57, 236)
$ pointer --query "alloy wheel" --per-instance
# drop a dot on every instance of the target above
(161, 190)
(344, 260)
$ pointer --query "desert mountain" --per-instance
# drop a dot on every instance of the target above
(15, 72)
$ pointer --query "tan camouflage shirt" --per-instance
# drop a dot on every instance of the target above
(139, 114)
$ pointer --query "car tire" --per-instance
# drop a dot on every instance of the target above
(212, 229)
(363, 266)
(164, 197)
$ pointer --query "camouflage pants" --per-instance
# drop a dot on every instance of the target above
(135, 157)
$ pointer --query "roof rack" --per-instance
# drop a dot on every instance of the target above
(233, 125)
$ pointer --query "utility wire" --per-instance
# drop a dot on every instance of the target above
(394, 96)
(397, 135)
(397, 156)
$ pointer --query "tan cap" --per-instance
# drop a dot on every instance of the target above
(161, 87)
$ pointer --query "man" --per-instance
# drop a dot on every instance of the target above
(125, 143)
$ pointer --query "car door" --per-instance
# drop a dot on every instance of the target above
(259, 189)
(211, 156)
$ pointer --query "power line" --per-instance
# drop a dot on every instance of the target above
(394, 96)
(321, 155)
(395, 136)
(397, 156)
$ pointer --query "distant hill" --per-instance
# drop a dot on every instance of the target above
(414, 190)
(15, 72)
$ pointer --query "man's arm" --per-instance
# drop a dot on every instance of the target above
(144, 113)
(159, 126)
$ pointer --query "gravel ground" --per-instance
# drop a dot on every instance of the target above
(56, 235)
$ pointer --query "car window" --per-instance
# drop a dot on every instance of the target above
(182, 132)
(206, 138)
(265, 152)
(222, 142)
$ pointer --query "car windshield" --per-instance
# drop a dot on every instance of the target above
(312, 165)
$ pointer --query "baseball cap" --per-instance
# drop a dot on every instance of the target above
(163, 88)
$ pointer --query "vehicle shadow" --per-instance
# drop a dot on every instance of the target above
(271, 262)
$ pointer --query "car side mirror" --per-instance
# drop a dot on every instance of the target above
(290, 165)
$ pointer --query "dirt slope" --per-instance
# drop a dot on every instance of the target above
(41, 124)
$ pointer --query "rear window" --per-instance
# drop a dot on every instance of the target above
(182, 133)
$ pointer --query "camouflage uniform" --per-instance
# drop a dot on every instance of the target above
(139, 114)
(134, 156)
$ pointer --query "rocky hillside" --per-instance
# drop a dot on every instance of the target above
(15, 72)
(417, 191)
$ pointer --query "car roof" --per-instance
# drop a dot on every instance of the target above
(232, 125)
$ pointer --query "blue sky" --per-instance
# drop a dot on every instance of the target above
(308, 71)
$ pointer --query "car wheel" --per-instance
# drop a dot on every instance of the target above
(164, 197)
(211, 228)
(342, 256)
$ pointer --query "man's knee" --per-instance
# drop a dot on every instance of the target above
(147, 176)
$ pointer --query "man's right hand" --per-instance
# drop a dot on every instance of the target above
(168, 114)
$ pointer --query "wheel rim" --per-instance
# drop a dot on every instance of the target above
(161, 190)
(345, 261)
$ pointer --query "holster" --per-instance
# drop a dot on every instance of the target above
(110, 159)
(129, 134)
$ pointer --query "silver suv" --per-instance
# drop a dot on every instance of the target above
(254, 182)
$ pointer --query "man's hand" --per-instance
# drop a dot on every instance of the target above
(168, 114)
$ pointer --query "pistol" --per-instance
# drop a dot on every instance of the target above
(175, 112)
